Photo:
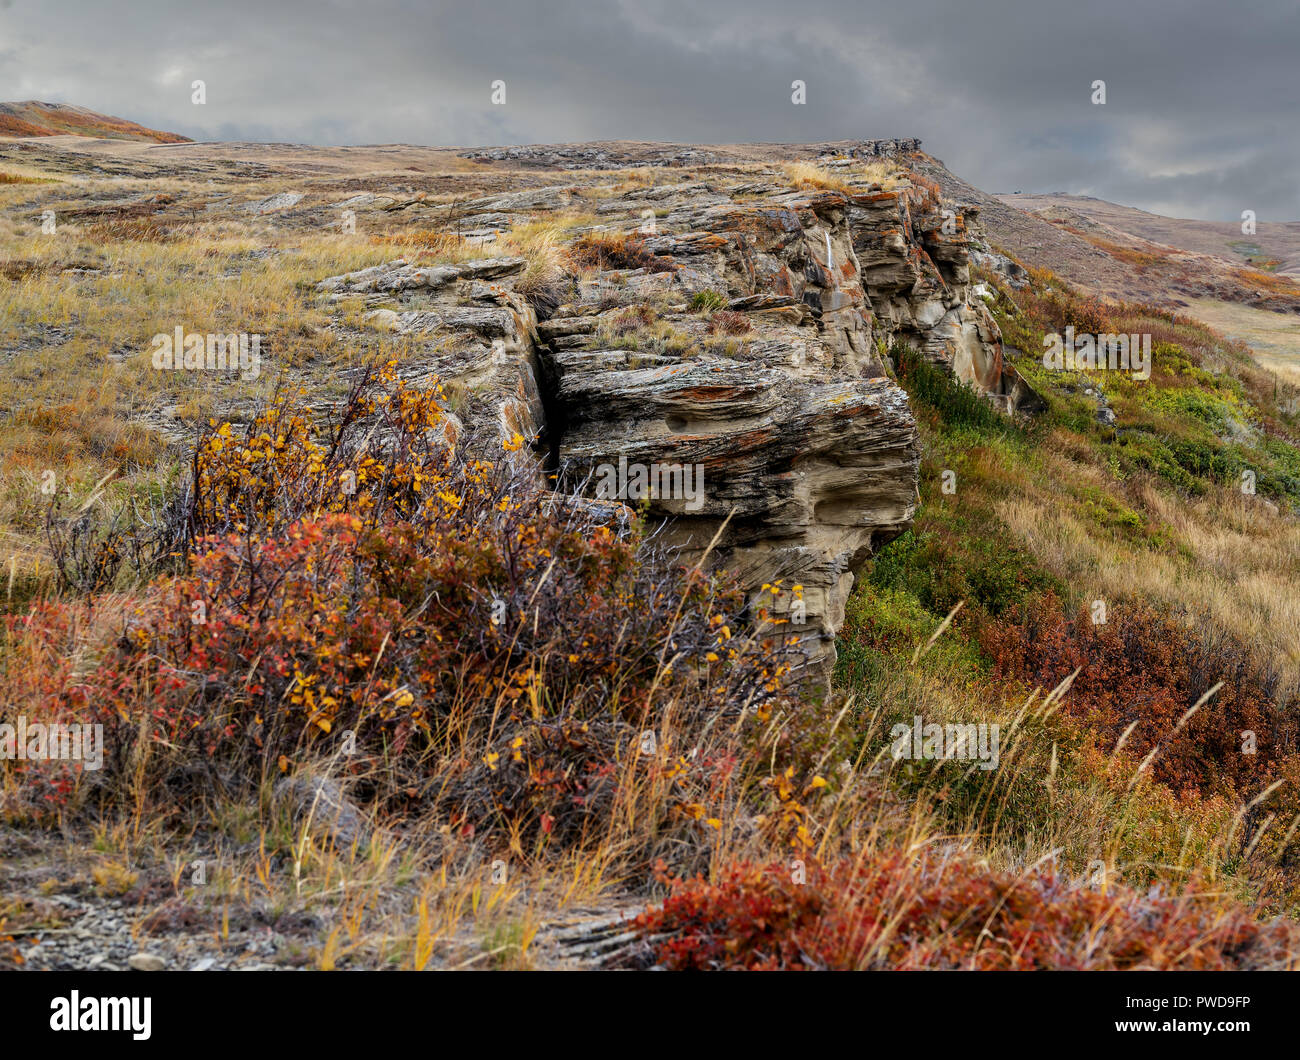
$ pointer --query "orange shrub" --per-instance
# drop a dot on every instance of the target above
(446, 627)
(727, 322)
(424, 239)
(611, 251)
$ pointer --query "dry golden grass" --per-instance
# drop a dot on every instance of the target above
(849, 180)
(1150, 254)
(1273, 338)
(1236, 559)
(82, 344)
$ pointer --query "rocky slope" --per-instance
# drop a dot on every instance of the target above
(1275, 244)
(1123, 254)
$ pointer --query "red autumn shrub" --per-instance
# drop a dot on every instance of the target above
(1088, 315)
(447, 627)
(633, 319)
(727, 322)
(1146, 670)
(615, 251)
(1053, 306)
(935, 911)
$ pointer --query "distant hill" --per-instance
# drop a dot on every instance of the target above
(1128, 254)
(33, 118)
(1275, 247)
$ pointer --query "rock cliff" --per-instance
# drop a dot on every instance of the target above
(716, 350)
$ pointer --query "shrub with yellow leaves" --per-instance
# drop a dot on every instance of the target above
(475, 645)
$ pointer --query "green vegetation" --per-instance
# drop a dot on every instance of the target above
(1024, 528)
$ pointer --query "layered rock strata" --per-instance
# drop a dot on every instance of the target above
(725, 364)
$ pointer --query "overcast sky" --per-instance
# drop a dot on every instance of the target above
(1199, 120)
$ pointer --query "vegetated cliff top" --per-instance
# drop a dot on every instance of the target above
(34, 118)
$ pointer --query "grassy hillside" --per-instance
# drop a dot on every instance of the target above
(1046, 523)
(32, 118)
(410, 710)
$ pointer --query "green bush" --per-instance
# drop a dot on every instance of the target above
(956, 403)
(708, 301)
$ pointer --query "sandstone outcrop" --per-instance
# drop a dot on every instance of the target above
(724, 362)
(915, 255)
(476, 336)
(790, 431)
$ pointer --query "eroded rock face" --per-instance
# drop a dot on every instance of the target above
(790, 432)
(475, 335)
(734, 378)
(915, 256)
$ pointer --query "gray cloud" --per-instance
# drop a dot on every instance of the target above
(1198, 121)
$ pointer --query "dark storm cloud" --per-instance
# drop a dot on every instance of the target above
(1199, 119)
